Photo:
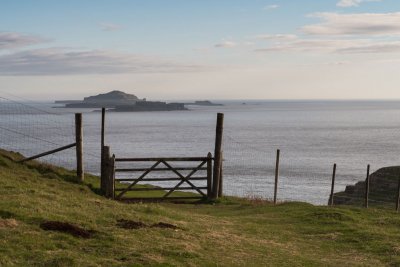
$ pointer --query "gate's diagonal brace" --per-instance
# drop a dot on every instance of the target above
(184, 179)
(139, 179)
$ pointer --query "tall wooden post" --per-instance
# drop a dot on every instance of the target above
(333, 185)
(221, 176)
(102, 163)
(103, 119)
(398, 197)
(209, 175)
(278, 152)
(217, 154)
(79, 146)
(367, 187)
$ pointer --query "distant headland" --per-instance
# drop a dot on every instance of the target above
(119, 101)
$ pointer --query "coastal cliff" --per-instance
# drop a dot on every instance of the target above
(383, 188)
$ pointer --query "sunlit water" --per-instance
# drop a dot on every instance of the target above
(311, 136)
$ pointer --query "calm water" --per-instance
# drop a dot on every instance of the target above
(311, 135)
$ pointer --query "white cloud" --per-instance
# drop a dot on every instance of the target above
(225, 44)
(11, 40)
(109, 27)
(276, 37)
(270, 7)
(353, 3)
(371, 24)
(357, 33)
(377, 47)
(312, 45)
(344, 46)
(57, 61)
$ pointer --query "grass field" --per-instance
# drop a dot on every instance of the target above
(231, 232)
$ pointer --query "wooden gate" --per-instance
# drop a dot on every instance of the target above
(167, 170)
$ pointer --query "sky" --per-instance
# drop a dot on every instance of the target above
(203, 49)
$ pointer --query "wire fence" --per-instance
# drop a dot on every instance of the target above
(31, 128)
(256, 171)
(249, 151)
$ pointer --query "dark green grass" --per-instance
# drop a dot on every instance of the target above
(230, 232)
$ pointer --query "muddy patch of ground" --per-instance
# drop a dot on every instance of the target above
(165, 225)
(65, 227)
(129, 224)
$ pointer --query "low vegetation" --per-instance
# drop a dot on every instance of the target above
(38, 202)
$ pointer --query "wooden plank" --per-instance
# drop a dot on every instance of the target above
(79, 146)
(332, 185)
(159, 189)
(217, 154)
(158, 159)
(48, 152)
(161, 179)
(278, 152)
(154, 199)
(367, 188)
(158, 169)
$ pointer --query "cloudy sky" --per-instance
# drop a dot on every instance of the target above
(187, 49)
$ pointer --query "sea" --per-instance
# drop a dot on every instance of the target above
(311, 137)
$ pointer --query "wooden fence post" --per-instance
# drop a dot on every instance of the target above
(106, 167)
(209, 175)
(278, 152)
(367, 187)
(398, 196)
(333, 185)
(102, 170)
(111, 177)
(217, 154)
(221, 176)
(79, 146)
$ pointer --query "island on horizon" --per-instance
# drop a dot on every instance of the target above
(119, 101)
(203, 103)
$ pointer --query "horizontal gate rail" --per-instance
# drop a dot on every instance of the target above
(159, 188)
(156, 199)
(164, 159)
(160, 179)
(158, 169)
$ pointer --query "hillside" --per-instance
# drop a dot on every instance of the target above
(232, 232)
(113, 96)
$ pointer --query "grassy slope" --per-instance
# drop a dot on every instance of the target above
(232, 232)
